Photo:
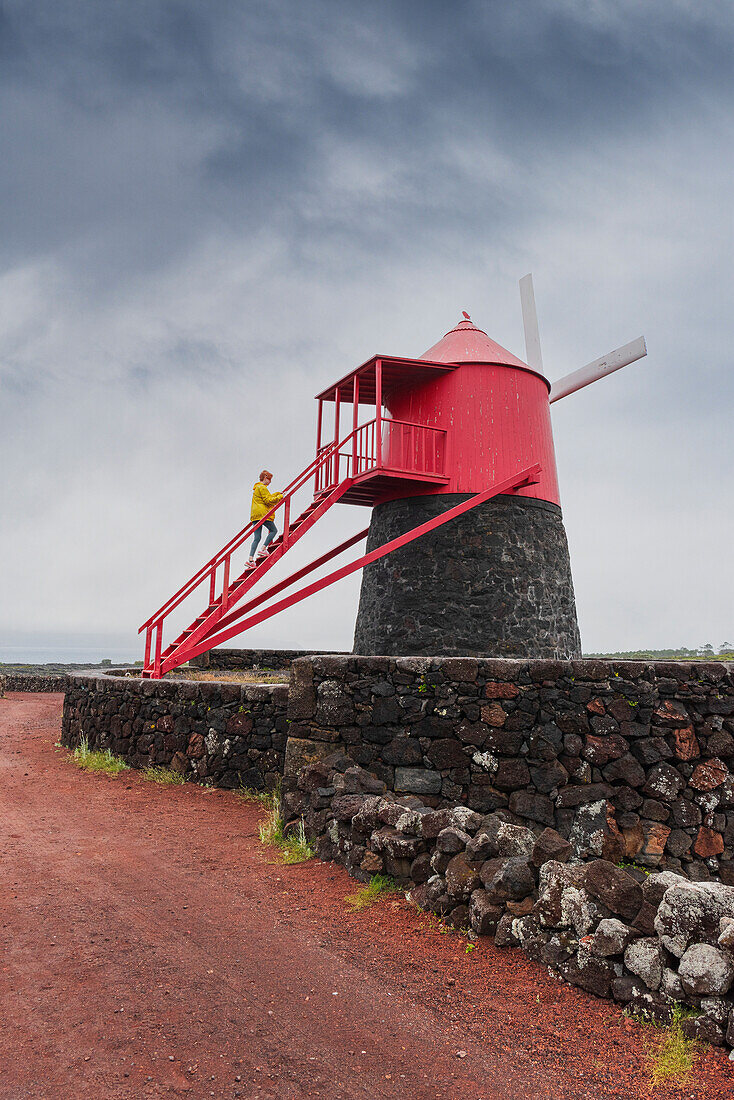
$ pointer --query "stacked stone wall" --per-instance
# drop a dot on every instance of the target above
(33, 682)
(495, 582)
(632, 760)
(276, 659)
(230, 735)
(650, 941)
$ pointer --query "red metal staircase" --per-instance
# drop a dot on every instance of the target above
(358, 469)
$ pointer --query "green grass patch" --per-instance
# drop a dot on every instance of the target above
(95, 760)
(249, 794)
(165, 776)
(673, 1056)
(379, 886)
(294, 848)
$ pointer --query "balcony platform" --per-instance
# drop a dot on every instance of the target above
(387, 484)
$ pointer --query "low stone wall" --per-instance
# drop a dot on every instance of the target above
(276, 659)
(648, 941)
(27, 681)
(634, 760)
(229, 734)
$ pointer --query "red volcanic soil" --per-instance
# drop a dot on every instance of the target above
(150, 948)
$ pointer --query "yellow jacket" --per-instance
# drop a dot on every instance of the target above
(262, 500)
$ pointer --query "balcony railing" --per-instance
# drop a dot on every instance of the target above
(401, 448)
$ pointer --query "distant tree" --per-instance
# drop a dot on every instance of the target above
(707, 650)
(726, 647)
(106, 661)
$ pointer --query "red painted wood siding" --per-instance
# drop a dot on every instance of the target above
(498, 422)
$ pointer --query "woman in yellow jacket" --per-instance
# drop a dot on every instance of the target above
(262, 501)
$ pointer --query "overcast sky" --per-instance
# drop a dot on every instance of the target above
(210, 210)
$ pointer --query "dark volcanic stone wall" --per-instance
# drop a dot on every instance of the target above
(276, 659)
(33, 682)
(652, 941)
(230, 734)
(496, 582)
(625, 760)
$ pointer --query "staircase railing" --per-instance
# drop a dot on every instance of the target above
(153, 625)
(402, 447)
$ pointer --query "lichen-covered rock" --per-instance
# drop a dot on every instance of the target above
(589, 972)
(645, 959)
(595, 832)
(706, 971)
(579, 910)
(515, 840)
(452, 840)
(664, 782)
(704, 1029)
(726, 932)
(513, 880)
(505, 935)
(530, 935)
(690, 912)
(410, 822)
(717, 1009)
(466, 819)
(554, 879)
(670, 986)
(462, 877)
(730, 1029)
(369, 815)
(440, 861)
(395, 844)
(481, 847)
(483, 915)
(626, 989)
(611, 938)
(559, 947)
(709, 775)
(654, 886)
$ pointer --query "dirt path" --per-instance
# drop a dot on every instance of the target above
(150, 949)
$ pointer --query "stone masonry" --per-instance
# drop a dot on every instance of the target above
(496, 582)
(649, 941)
(626, 760)
(229, 734)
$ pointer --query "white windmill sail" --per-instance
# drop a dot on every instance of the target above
(584, 376)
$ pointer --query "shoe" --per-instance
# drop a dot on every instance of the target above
(261, 554)
(250, 563)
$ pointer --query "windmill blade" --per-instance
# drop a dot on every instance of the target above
(616, 359)
(533, 356)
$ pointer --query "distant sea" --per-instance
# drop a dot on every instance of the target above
(63, 655)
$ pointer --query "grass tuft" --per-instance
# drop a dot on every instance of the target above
(94, 760)
(379, 886)
(294, 848)
(165, 776)
(249, 794)
(673, 1056)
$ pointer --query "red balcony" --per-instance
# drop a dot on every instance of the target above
(383, 457)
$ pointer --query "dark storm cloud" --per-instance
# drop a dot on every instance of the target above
(148, 124)
(207, 209)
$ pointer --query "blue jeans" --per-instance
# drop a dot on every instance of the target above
(272, 531)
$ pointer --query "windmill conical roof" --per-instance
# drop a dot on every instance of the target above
(468, 344)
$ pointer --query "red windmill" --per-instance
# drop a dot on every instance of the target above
(458, 455)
